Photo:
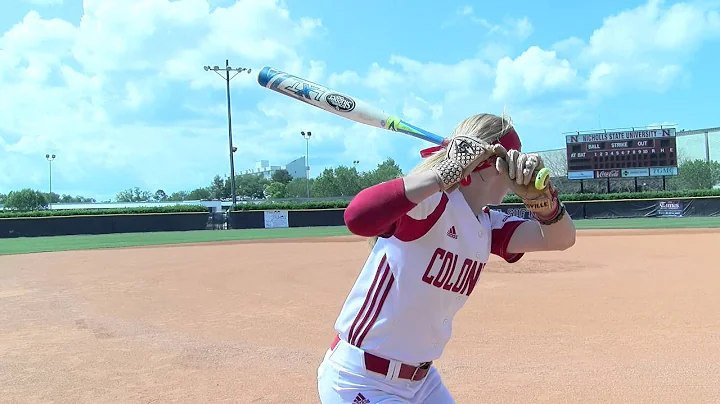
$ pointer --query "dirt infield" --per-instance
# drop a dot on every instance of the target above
(623, 317)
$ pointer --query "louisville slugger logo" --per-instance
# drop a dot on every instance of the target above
(340, 102)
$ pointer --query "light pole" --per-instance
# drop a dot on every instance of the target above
(355, 163)
(307, 161)
(50, 158)
(227, 69)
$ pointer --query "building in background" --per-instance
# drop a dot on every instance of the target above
(295, 168)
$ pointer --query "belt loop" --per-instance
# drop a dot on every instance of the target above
(393, 370)
(412, 378)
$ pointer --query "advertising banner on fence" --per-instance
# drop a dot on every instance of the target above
(670, 209)
(635, 172)
(581, 175)
(607, 173)
(275, 219)
(663, 171)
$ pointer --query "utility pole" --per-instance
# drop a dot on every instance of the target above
(307, 161)
(227, 69)
(50, 158)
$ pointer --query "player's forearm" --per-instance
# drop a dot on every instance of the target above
(559, 235)
(420, 186)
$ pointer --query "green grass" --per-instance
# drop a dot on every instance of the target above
(89, 242)
(67, 243)
(651, 223)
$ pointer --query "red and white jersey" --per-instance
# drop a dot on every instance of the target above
(413, 283)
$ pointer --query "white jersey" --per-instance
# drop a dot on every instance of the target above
(413, 283)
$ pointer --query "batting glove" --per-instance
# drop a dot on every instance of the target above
(463, 155)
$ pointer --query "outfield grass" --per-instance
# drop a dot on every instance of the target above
(67, 243)
(89, 242)
(650, 223)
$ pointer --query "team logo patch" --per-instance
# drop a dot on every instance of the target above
(452, 233)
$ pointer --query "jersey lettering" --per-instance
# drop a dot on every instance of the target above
(442, 277)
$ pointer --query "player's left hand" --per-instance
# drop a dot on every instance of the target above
(519, 171)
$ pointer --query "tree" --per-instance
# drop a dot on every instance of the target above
(134, 195)
(385, 171)
(199, 194)
(697, 174)
(340, 181)
(275, 190)
(51, 197)
(349, 181)
(3, 197)
(218, 189)
(556, 161)
(297, 188)
(251, 186)
(281, 176)
(65, 198)
(160, 195)
(25, 200)
(179, 196)
(326, 185)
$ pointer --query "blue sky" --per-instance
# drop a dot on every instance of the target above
(117, 90)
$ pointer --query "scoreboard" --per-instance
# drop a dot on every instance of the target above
(635, 153)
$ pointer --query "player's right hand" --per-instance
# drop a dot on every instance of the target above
(464, 154)
(519, 171)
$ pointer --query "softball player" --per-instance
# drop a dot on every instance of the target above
(432, 234)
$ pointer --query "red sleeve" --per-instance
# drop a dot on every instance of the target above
(500, 240)
(503, 227)
(375, 210)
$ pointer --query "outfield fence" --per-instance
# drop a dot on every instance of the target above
(615, 209)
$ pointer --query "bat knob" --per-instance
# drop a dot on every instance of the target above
(542, 178)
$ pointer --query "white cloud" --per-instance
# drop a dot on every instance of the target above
(646, 47)
(417, 109)
(534, 72)
(465, 10)
(98, 93)
(519, 28)
(570, 46)
(651, 30)
(404, 75)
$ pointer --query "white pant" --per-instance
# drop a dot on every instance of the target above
(342, 378)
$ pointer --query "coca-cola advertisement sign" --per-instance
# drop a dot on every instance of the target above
(607, 174)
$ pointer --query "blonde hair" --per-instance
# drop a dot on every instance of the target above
(486, 127)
